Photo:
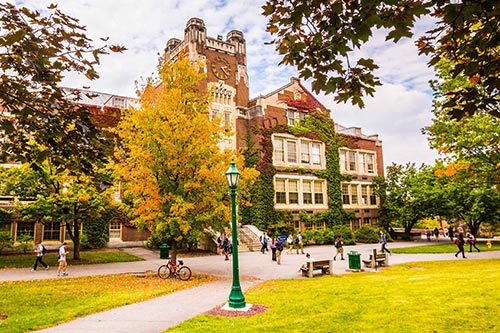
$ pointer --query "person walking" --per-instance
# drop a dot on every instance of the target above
(339, 249)
(383, 241)
(460, 244)
(226, 247)
(436, 234)
(472, 242)
(428, 234)
(300, 243)
(40, 251)
(289, 242)
(279, 250)
(263, 242)
(273, 249)
(63, 252)
(451, 233)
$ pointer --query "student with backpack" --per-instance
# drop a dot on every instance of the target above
(40, 250)
(279, 250)
(300, 244)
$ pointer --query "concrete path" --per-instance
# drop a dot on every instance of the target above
(160, 313)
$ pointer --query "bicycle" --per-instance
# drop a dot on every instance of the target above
(179, 271)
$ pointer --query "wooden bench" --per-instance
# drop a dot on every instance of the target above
(326, 267)
(377, 259)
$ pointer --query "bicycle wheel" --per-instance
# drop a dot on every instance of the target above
(184, 273)
(164, 272)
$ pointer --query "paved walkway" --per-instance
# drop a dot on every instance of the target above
(158, 314)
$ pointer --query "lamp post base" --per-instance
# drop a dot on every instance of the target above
(236, 298)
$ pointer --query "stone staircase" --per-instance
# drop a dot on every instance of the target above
(248, 236)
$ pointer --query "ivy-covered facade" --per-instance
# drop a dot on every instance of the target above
(292, 141)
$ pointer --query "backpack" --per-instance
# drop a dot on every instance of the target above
(457, 241)
(297, 240)
(44, 250)
(279, 246)
(338, 243)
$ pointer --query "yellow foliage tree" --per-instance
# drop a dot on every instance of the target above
(171, 166)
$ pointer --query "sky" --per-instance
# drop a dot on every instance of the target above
(397, 112)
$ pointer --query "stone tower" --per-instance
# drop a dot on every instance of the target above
(226, 69)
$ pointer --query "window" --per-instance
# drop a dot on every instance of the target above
(369, 163)
(345, 195)
(362, 162)
(294, 151)
(119, 102)
(316, 154)
(293, 191)
(343, 160)
(318, 192)
(304, 152)
(227, 119)
(354, 194)
(115, 229)
(279, 150)
(307, 193)
(52, 231)
(280, 191)
(352, 161)
(366, 221)
(302, 116)
(213, 114)
(25, 228)
(291, 149)
(299, 191)
(290, 116)
(364, 194)
(5, 227)
(373, 197)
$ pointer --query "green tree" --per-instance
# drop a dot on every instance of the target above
(170, 162)
(471, 141)
(74, 201)
(475, 203)
(39, 118)
(320, 37)
(408, 194)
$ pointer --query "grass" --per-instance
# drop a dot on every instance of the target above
(33, 305)
(445, 248)
(445, 296)
(87, 257)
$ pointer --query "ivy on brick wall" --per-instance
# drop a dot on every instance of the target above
(317, 125)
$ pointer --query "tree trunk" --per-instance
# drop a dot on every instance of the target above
(173, 252)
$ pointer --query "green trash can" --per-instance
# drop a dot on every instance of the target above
(354, 260)
(164, 249)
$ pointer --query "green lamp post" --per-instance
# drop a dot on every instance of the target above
(236, 298)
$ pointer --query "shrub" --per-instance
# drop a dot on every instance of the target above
(328, 236)
(366, 234)
(25, 242)
(346, 234)
(5, 240)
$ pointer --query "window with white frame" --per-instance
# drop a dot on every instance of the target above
(290, 117)
(280, 190)
(279, 150)
(304, 153)
(358, 194)
(293, 191)
(227, 119)
(319, 192)
(346, 197)
(291, 151)
(299, 191)
(52, 230)
(307, 192)
(357, 161)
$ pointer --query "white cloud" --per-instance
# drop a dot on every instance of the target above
(397, 112)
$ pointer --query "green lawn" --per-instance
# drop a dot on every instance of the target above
(444, 296)
(87, 257)
(445, 248)
(33, 305)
